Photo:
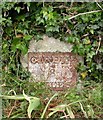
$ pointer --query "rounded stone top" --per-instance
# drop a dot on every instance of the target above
(49, 44)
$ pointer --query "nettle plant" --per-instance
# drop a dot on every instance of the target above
(77, 23)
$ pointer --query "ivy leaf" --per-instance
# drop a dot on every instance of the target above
(24, 49)
(92, 31)
(101, 49)
(27, 37)
(15, 41)
(91, 54)
(99, 67)
(21, 17)
(86, 41)
(21, 47)
(84, 74)
(18, 9)
(50, 16)
(52, 28)
(94, 26)
(70, 39)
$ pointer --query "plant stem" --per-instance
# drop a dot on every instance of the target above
(42, 116)
(84, 13)
(14, 97)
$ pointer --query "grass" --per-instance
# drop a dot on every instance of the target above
(84, 102)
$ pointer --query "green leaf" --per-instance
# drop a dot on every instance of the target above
(20, 46)
(16, 44)
(99, 66)
(50, 16)
(33, 105)
(24, 49)
(84, 18)
(52, 28)
(101, 49)
(86, 41)
(70, 39)
(15, 41)
(21, 17)
(92, 31)
(27, 37)
(94, 26)
(91, 54)
(18, 9)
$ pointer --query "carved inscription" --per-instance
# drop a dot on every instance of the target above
(56, 69)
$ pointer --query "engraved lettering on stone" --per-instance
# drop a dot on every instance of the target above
(55, 69)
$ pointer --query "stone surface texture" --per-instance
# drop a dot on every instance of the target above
(56, 69)
(48, 44)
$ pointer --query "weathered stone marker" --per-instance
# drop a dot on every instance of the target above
(52, 61)
(57, 69)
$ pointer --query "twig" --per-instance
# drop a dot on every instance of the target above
(85, 35)
(84, 13)
(98, 5)
(98, 45)
(76, 102)
(12, 109)
(62, 6)
(65, 114)
(71, 5)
